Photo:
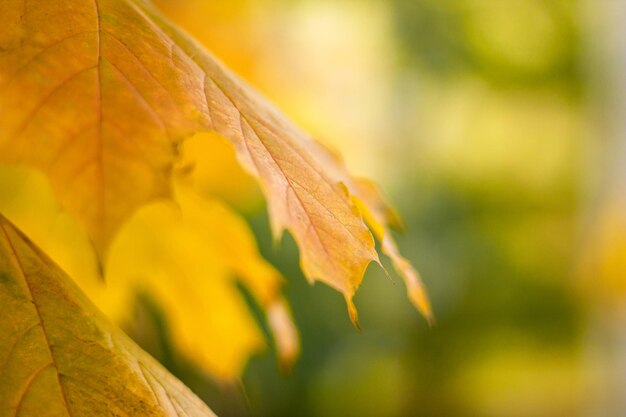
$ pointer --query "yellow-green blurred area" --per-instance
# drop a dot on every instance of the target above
(497, 128)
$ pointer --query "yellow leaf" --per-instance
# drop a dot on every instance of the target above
(28, 201)
(188, 265)
(100, 94)
(60, 357)
(209, 165)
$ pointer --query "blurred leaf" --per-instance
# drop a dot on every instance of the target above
(114, 89)
(206, 161)
(601, 265)
(61, 357)
(188, 265)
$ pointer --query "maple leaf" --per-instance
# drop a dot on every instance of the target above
(210, 321)
(100, 94)
(59, 356)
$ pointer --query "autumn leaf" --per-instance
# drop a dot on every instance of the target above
(59, 356)
(188, 266)
(99, 96)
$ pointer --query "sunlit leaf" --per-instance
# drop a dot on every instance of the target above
(59, 356)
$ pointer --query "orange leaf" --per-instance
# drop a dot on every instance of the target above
(99, 94)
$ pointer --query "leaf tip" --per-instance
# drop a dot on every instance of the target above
(352, 312)
(419, 298)
(385, 271)
(423, 305)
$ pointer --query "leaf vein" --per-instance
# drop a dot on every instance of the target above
(13, 346)
(290, 187)
(42, 103)
(100, 155)
(140, 62)
(29, 383)
(36, 306)
(142, 99)
(44, 50)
